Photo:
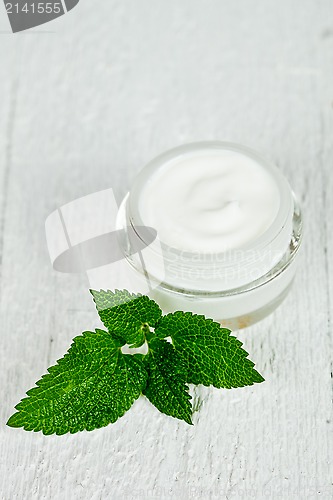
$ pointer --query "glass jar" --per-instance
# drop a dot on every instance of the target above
(237, 287)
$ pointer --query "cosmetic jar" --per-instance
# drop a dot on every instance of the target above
(228, 232)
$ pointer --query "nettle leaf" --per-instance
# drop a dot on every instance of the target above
(91, 386)
(166, 386)
(95, 383)
(126, 314)
(212, 355)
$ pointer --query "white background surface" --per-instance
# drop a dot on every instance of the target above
(86, 101)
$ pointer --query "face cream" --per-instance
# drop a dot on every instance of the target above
(228, 230)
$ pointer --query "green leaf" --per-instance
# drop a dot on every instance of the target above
(127, 315)
(166, 388)
(91, 386)
(94, 384)
(212, 355)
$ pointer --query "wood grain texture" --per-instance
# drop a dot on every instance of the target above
(84, 107)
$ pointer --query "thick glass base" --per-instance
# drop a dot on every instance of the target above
(249, 319)
(234, 308)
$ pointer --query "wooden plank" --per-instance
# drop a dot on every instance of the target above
(82, 109)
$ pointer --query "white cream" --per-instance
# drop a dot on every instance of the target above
(210, 201)
(230, 230)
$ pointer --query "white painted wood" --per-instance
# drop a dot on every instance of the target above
(83, 107)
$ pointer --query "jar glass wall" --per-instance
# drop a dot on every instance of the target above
(236, 286)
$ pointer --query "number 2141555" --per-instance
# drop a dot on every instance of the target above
(34, 8)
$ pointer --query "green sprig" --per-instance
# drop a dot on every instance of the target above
(95, 383)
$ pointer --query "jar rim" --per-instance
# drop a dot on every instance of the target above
(186, 150)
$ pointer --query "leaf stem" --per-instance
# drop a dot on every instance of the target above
(147, 332)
